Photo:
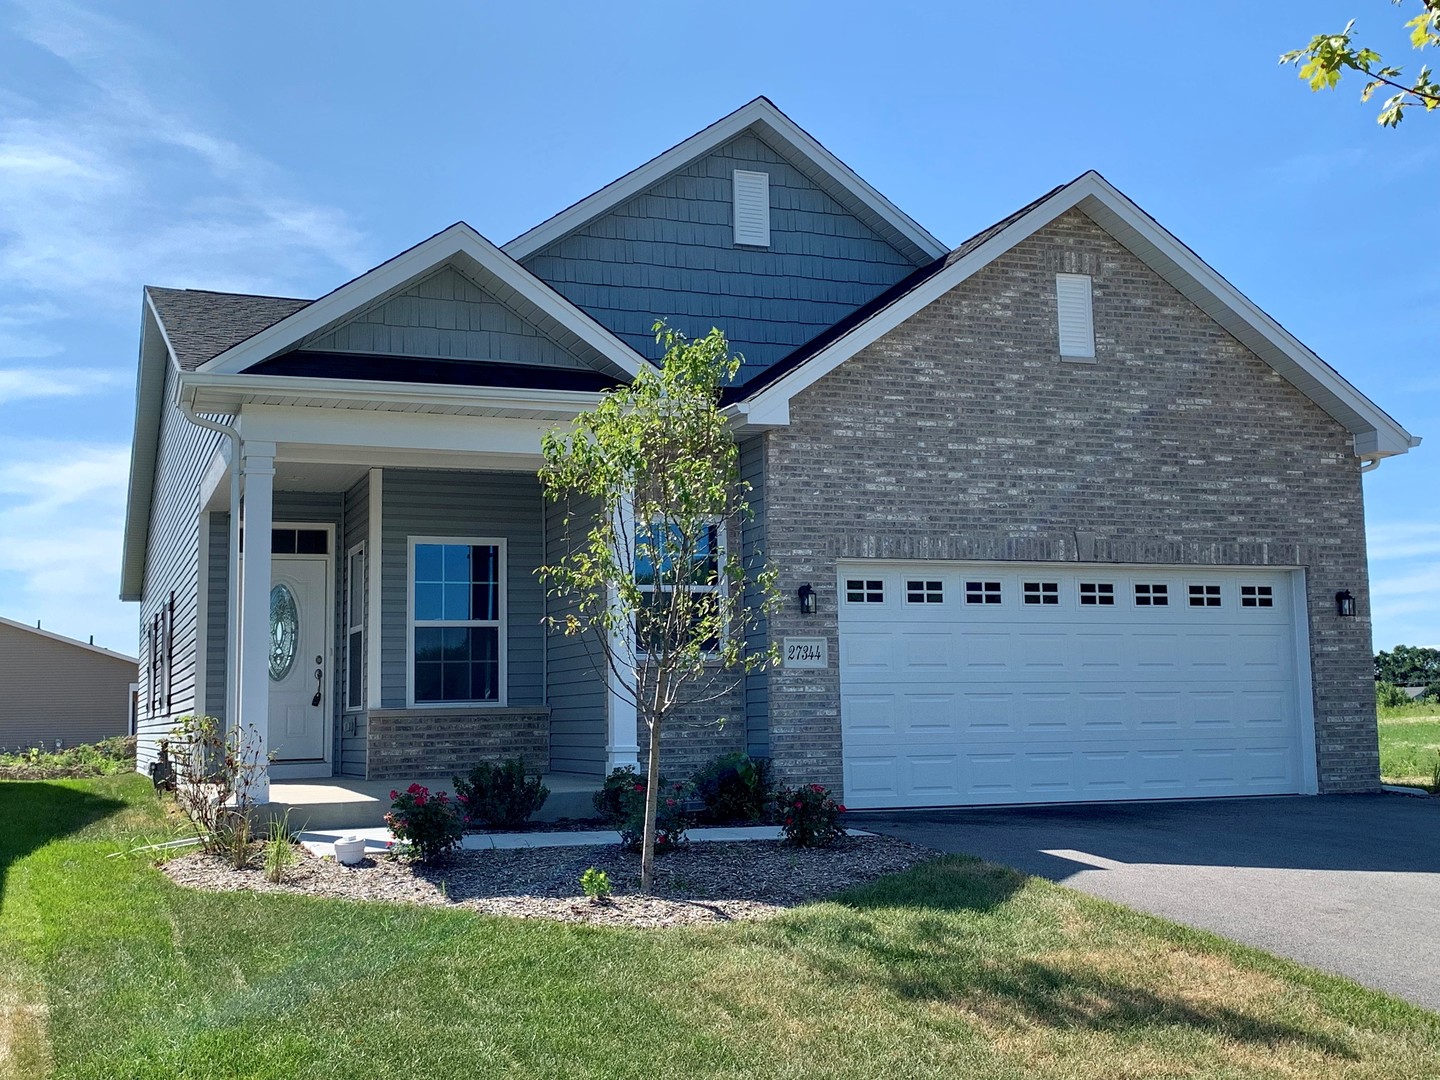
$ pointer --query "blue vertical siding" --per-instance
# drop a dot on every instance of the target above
(574, 673)
(433, 503)
(446, 315)
(669, 253)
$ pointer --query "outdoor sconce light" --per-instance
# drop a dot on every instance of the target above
(1344, 604)
(807, 599)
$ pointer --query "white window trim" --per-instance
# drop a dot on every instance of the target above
(352, 624)
(501, 624)
(720, 587)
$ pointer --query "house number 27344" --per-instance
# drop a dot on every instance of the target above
(805, 652)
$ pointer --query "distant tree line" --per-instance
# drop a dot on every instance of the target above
(1406, 665)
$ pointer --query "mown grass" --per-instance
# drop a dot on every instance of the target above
(955, 969)
(1410, 744)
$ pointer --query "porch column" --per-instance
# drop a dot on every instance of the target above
(622, 719)
(254, 677)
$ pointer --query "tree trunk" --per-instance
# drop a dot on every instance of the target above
(652, 805)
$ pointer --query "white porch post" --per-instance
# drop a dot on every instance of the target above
(254, 678)
(622, 718)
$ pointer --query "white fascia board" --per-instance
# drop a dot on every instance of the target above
(306, 434)
(1216, 296)
(460, 238)
(230, 392)
(155, 354)
(757, 112)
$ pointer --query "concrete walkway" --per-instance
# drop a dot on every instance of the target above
(1345, 883)
(322, 844)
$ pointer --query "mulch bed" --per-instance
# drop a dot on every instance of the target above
(703, 882)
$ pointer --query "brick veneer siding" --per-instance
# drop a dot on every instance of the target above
(693, 734)
(961, 434)
(404, 743)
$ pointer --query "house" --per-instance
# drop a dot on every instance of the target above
(56, 691)
(1079, 520)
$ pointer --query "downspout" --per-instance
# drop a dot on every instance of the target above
(232, 569)
(1370, 464)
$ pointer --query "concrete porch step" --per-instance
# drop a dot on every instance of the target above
(344, 803)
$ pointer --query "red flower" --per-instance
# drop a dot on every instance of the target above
(841, 809)
(639, 787)
(818, 789)
(799, 805)
(394, 794)
(669, 802)
(416, 789)
(789, 821)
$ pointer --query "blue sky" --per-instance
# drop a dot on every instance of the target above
(283, 148)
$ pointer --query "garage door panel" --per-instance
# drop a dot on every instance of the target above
(948, 703)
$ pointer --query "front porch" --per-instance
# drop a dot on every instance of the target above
(340, 803)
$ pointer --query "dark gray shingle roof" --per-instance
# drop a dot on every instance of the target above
(201, 324)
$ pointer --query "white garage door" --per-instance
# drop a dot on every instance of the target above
(999, 683)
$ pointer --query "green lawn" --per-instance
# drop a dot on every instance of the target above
(1410, 745)
(956, 969)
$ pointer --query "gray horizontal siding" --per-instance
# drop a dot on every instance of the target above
(58, 692)
(574, 673)
(752, 539)
(464, 504)
(449, 316)
(217, 605)
(669, 253)
(172, 564)
(352, 743)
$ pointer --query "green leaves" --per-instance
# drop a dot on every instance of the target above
(1328, 56)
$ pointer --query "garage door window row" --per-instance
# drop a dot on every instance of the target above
(1047, 593)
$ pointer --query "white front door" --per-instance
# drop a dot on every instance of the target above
(299, 649)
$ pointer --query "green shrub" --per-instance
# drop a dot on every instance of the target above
(621, 802)
(596, 884)
(735, 788)
(810, 816)
(498, 795)
(104, 758)
(1389, 696)
(428, 825)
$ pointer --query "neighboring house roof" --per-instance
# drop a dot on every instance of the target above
(784, 136)
(765, 400)
(51, 635)
(201, 324)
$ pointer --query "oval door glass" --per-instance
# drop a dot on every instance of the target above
(284, 631)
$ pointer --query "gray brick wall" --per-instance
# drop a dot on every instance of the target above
(962, 435)
(405, 743)
(693, 734)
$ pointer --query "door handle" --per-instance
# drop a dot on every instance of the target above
(319, 684)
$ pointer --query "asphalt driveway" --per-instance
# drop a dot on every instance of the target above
(1346, 883)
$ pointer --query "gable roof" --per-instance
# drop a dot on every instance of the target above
(784, 136)
(109, 654)
(200, 324)
(765, 400)
(461, 246)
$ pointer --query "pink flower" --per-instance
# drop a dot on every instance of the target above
(639, 787)
(799, 805)
(818, 789)
(841, 808)
(394, 794)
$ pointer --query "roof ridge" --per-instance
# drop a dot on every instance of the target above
(229, 292)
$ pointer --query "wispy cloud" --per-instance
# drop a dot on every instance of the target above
(61, 510)
(20, 383)
(1403, 540)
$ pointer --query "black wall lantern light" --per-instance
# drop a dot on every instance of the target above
(807, 599)
(1344, 604)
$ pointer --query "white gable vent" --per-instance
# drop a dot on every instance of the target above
(1077, 320)
(752, 208)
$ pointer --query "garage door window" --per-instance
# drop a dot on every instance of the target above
(864, 591)
(1152, 595)
(1097, 594)
(982, 592)
(1256, 596)
(924, 592)
(1204, 595)
(1042, 592)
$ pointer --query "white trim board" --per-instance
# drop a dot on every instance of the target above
(784, 136)
(459, 240)
(1376, 434)
(502, 624)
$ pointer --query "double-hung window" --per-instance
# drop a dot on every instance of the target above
(457, 621)
(664, 566)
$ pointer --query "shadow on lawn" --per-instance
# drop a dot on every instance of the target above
(936, 935)
(37, 812)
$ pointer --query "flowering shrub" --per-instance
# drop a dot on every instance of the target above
(429, 825)
(621, 802)
(810, 816)
(498, 795)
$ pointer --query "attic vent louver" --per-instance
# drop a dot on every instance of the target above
(1077, 320)
(752, 208)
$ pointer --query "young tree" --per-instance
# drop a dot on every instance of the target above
(650, 479)
(1328, 56)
